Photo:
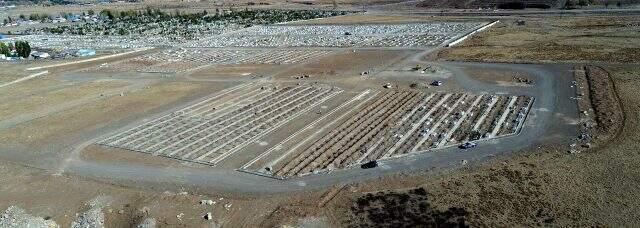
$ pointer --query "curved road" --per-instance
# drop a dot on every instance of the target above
(550, 121)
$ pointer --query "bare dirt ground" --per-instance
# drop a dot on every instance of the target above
(502, 77)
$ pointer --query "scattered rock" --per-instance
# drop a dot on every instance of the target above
(572, 149)
(147, 223)
(17, 217)
(100, 201)
(207, 202)
(93, 218)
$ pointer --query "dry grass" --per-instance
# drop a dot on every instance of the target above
(606, 39)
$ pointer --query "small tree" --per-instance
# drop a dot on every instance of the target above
(122, 32)
(23, 49)
(107, 13)
(18, 47)
(583, 3)
(4, 49)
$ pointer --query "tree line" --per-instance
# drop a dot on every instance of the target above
(23, 49)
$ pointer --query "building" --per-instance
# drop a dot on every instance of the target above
(40, 55)
(86, 52)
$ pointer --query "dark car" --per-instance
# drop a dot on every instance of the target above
(437, 83)
(467, 145)
(369, 165)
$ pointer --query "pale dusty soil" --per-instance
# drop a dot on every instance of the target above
(500, 77)
(231, 71)
(101, 153)
(12, 71)
(343, 65)
(22, 90)
(43, 101)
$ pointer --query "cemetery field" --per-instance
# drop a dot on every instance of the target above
(323, 121)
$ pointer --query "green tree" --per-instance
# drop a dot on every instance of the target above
(583, 3)
(122, 32)
(4, 49)
(107, 13)
(23, 49)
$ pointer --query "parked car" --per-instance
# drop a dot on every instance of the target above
(467, 145)
(437, 83)
(369, 165)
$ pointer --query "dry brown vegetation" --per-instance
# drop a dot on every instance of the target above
(603, 100)
(606, 39)
(402, 209)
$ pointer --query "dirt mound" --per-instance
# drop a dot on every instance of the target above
(608, 114)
